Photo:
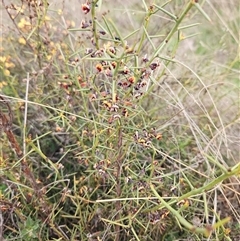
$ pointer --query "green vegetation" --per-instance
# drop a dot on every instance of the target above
(119, 120)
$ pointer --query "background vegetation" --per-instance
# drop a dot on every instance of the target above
(119, 120)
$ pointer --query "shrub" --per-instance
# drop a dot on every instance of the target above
(118, 129)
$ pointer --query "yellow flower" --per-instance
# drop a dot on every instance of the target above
(49, 57)
(3, 59)
(59, 11)
(21, 40)
(73, 24)
(9, 65)
(2, 84)
(47, 18)
(23, 23)
(6, 72)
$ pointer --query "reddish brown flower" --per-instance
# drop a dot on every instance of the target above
(99, 67)
(86, 8)
(131, 79)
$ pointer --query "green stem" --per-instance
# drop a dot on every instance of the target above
(93, 12)
(146, 22)
(205, 231)
(174, 29)
(235, 171)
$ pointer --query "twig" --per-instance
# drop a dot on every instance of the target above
(1, 226)
(6, 125)
(25, 115)
(118, 180)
